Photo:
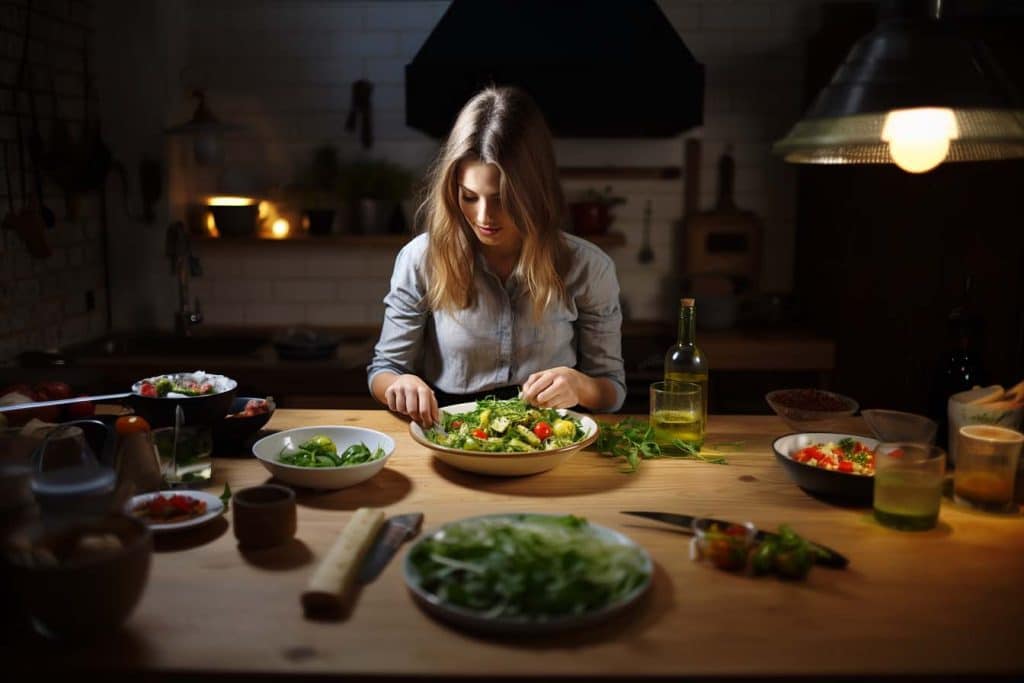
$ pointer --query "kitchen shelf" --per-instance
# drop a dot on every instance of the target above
(611, 239)
(621, 172)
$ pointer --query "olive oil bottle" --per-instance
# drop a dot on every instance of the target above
(684, 362)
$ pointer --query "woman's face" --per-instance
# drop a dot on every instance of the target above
(480, 202)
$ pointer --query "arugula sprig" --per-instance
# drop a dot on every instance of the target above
(632, 440)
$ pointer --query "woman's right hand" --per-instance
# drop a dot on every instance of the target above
(410, 395)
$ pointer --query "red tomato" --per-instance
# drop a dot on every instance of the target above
(77, 411)
(846, 466)
(131, 424)
(55, 390)
(148, 389)
(542, 430)
(725, 554)
(456, 424)
(479, 433)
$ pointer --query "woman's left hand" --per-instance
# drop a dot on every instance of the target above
(559, 387)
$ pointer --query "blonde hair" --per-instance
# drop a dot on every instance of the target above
(500, 126)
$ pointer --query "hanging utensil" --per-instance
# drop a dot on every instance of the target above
(28, 222)
(646, 254)
(35, 141)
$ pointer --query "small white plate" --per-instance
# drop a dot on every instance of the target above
(214, 508)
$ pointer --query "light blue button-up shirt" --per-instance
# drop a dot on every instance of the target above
(496, 342)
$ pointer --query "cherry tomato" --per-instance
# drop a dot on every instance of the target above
(131, 424)
(148, 389)
(542, 430)
(726, 554)
(479, 433)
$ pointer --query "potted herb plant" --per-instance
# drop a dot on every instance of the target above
(375, 190)
(592, 213)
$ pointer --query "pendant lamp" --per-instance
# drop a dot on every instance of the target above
(206, 131)
(915, 92)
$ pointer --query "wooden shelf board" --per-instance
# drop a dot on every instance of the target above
(611, 239)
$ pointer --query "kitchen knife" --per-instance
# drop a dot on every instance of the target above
(391, 536)
(822, 555)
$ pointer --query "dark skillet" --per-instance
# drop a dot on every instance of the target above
(198, 410)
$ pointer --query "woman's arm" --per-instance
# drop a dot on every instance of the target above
(599, 331)
(391, 374)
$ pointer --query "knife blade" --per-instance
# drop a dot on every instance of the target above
(394, 532)
(823, 555)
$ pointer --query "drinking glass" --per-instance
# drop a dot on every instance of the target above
(186, 460)
(677, 413)
(908, 485)
(986, 467)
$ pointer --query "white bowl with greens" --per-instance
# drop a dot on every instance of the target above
(324, 457)
(512, 573)
(505, 437)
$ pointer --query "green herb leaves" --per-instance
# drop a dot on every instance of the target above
(320, 451)
(633, 440)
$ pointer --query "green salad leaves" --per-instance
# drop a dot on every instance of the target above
(320, 451)
(527, 566)
(506, 426)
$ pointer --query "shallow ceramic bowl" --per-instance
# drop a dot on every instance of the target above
(80, 595)
(895, 425)
(504, 464)
(845, 486)
(268, 449)
(804, 420)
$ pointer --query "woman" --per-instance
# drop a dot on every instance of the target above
(495, 296)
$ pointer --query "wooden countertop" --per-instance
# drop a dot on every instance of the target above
(942, 602)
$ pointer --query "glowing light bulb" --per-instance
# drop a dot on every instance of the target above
(280, 228)
(211, 225)
(919, 138)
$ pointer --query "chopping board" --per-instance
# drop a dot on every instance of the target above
(725, 240)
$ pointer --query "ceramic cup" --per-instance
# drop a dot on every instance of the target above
(264, 516)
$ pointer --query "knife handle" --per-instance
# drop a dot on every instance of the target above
(324, 597)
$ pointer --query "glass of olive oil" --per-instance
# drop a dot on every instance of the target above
(677, 413)
(908, 485)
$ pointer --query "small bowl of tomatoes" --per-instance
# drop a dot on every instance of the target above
(830, 464)
(724, 545)
(247, 416)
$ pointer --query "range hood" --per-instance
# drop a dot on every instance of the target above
(612, 68)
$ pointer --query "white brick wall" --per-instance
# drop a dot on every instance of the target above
(290, 65)
(284, 68)
(42, 301)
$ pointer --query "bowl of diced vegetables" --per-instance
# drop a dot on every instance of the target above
(324, 457)
(829, 464)
(505, 437)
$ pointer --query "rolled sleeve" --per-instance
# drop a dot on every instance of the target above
(599, 328)
(400, 347)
